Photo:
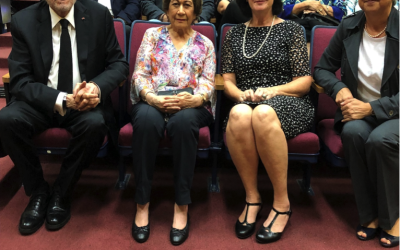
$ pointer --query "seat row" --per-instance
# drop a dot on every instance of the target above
(304, 148)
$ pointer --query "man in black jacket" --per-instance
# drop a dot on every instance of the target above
(153, 10)
(65, 62)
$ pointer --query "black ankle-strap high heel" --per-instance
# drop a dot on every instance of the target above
(244, 229)
(265, 235)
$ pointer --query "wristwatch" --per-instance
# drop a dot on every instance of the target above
(203, 96)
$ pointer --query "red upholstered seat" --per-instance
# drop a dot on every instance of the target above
(330, 138)
(305, 143)
(125, 138)
(55, 138)
(331, 142)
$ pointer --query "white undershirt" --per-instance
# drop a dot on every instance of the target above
(106, 3)
(370, 67)
(56, 37)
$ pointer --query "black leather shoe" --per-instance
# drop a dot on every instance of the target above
(244, 229)
(58, 212)
(140, 234)
(178, 236)
(370, 232)
(265, 235)
(33, 216)
(394, 240)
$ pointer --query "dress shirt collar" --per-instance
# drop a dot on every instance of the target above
(56, 18)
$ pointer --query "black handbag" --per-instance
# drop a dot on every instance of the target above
(176, 91)
(324, 20)
(308, 21)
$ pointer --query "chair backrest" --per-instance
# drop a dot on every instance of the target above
(224, 30)
(119, 27)
(320, 38)
(138, 29)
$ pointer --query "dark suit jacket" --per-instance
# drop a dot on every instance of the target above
(153, 9)
(99, 55)
(129, 10)
(343, 52)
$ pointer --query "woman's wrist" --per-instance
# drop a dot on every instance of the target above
(300, 7)
(150, 97)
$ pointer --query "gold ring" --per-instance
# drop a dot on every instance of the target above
(320, 10)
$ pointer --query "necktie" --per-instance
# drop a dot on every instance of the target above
(65, 65)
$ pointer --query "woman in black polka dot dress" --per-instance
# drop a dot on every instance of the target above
(266, 74)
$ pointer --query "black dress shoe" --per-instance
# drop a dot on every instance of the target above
(33, 216)
(265, 235)
(178, 236)
(244, 229)
(394, 240)
(140, 234)
(58, 212)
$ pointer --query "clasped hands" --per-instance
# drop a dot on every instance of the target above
(174, 103)
(352, 108)
(85, 97)
(261, 94)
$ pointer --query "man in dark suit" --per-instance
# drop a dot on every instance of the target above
(153, 9)
(65, 62)
(127, 10)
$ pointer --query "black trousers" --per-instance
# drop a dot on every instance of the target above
(372, 154)
(182, 127)
(20, 122)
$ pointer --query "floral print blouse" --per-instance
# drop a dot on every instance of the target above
(159, 66)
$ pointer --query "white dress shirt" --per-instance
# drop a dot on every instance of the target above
(370, 67)
(56, 37)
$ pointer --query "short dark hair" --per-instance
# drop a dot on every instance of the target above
(277, 7)
(197, 4)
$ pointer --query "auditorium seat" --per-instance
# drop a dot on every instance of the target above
(205, 145)
(330, 141)
(304, 147)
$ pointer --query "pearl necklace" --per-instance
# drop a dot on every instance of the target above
(244, 39)
(380, 33)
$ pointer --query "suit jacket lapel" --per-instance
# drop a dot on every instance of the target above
(392, 46)
(391, 62)
(82, 20)
(45, 39)
(352, 46)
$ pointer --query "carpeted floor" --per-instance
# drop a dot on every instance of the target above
(102, 216)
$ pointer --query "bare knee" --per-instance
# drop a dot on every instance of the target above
(239, 119)
(240, 116)
(265, 116)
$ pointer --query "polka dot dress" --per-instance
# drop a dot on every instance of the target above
(283, 56)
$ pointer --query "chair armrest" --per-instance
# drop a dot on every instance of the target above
(6, 82)
(317, 88)
(219, 82)
(6, 78)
